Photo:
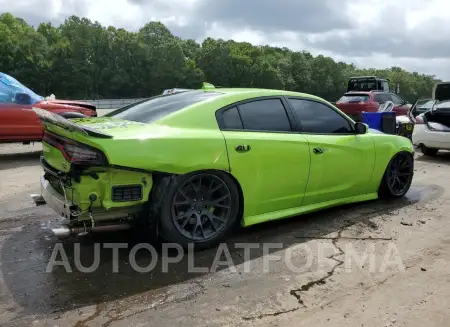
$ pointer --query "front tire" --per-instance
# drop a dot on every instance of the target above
(199, 208)
(428, 151)
(398, 176)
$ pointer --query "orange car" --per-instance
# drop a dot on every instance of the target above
(19, 123)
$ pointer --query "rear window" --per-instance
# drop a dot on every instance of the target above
(155, 108)
(354, 98)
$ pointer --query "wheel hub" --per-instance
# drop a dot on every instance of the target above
(201, 207)
(400, 174)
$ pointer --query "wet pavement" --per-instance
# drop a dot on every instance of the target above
(252, 291)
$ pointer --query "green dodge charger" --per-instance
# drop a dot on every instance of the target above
(192, 165)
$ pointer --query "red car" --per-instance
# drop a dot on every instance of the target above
(19, 123)
(354, 103)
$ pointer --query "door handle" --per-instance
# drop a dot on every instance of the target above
(318, 150)
(242, 148)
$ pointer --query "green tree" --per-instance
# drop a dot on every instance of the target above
(81, 59)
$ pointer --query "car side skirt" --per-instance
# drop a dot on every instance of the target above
(292, 212)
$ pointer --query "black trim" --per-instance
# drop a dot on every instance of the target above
(287, 109)
(115, 187)
(138, 170)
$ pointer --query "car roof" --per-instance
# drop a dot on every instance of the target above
(189, 116)
(262, 92)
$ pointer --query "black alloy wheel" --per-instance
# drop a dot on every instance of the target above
(399, 174)
(201, 208)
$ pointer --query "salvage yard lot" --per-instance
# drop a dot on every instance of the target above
(407, 284)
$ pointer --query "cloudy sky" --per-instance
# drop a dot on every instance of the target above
(413, 34)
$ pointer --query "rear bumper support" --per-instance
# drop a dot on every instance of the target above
(54, 200)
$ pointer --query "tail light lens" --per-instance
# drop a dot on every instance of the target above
(419, 120)
(75, 152)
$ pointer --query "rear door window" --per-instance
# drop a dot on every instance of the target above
(155, 108)
(354, 98)
(264, 115)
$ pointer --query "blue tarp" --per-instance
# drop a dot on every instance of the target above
(9, 87)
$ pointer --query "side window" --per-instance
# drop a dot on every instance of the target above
(231, 119)
(396, 99)
(380, 98)
(265, 115)
(385, 86)
(5, 94)
(5, 97)
(318, 118)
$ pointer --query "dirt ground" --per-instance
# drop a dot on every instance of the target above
(380, 263)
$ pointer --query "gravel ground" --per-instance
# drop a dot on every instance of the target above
(372, 264)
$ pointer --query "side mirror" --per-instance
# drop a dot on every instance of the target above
(361, 128)
(22, 98)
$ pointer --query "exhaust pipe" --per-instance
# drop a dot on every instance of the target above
(38, 199)
(62, 232)
(65, 231)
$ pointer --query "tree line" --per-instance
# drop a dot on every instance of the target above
(81, 59)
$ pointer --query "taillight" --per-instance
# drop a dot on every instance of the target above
(419, 120)
(75, 152)
(79, 154)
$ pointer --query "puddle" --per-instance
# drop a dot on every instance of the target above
(423, 193)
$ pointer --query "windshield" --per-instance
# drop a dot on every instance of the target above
(10, 87)
(155, 108)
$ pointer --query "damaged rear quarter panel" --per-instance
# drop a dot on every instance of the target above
(167, 149)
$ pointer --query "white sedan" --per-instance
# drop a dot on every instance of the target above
(432, 128)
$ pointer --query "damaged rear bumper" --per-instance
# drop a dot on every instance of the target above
(95, 194)
(54, 200)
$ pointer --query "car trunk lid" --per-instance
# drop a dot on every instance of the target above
(434, 112)
(66, 141)
(441, 91)
(97, 127)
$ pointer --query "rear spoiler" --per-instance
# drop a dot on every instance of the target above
(49, 117)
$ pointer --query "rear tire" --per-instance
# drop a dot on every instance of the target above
(428, 151)
(398, 176)
(198, 208)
